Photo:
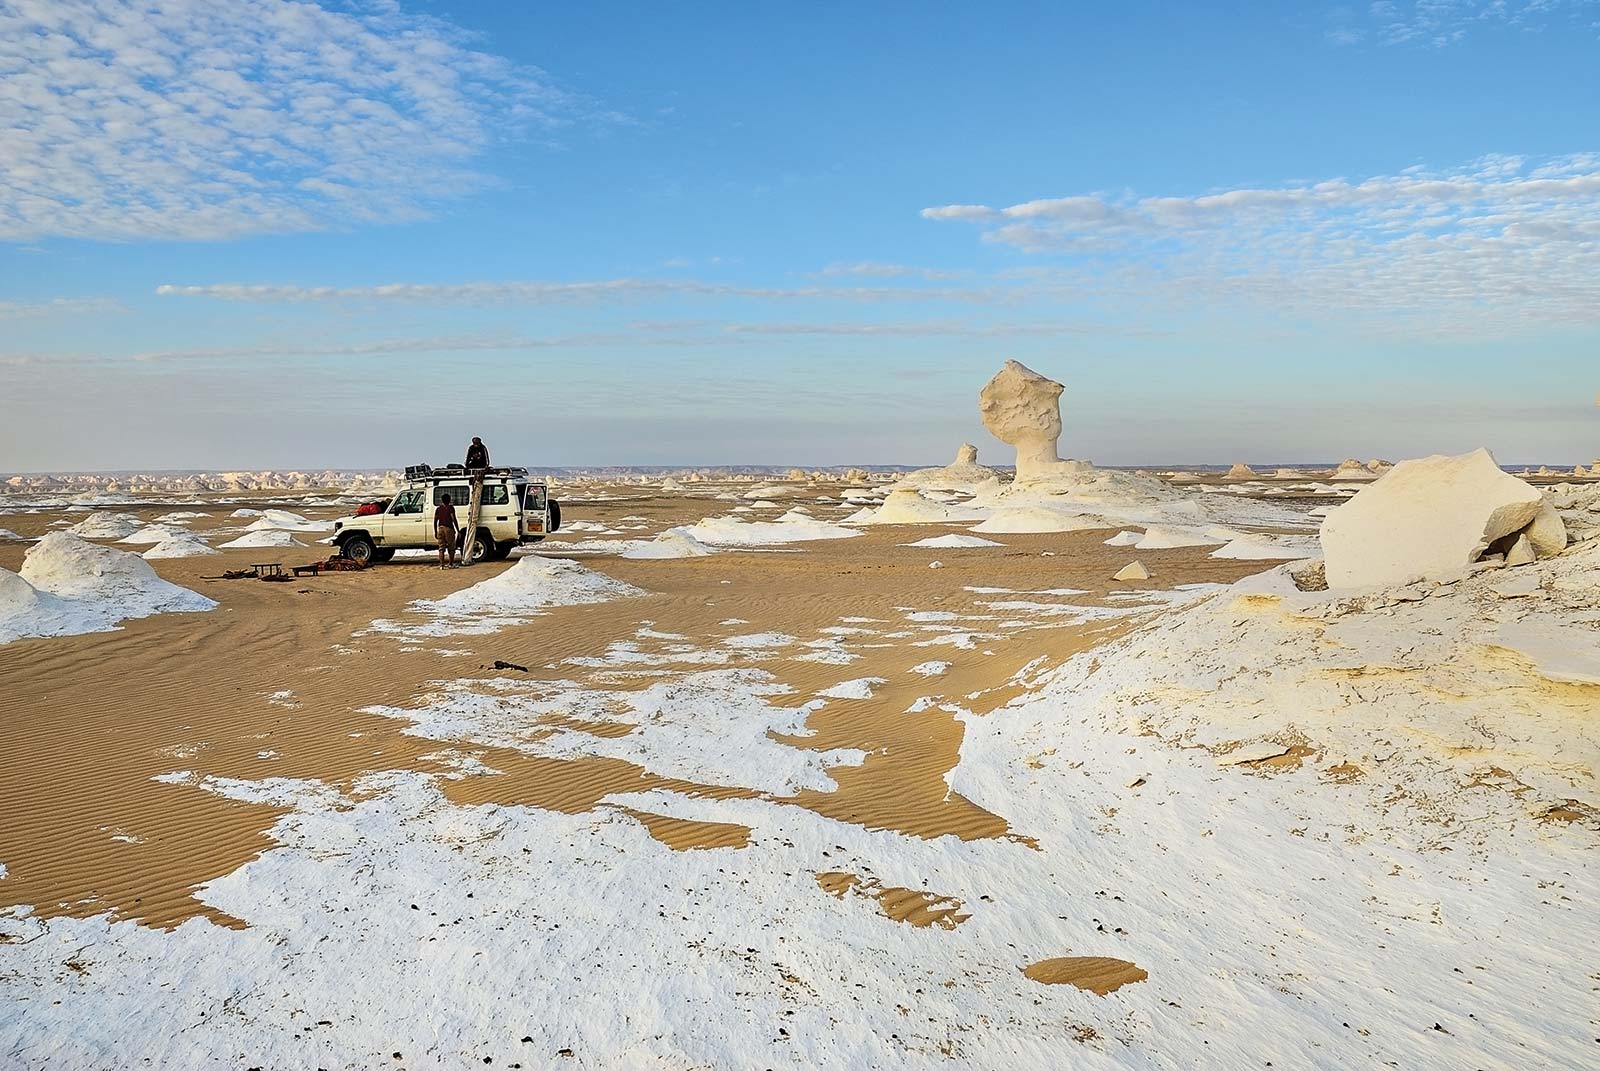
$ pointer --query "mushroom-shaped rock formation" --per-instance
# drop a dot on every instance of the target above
(1023, 408)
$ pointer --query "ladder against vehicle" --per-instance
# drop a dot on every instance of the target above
(474, 514)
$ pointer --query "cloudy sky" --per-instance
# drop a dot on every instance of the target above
(280, 234)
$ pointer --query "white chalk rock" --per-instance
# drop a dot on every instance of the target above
(907, 505)
(1433, 517)
(1018, 519)
(1132, 571)
(107, 526)
(1023, 408)
(1241, 471)
(1161, 537)
(1352, 469)
(963, 472)
(1521, 552)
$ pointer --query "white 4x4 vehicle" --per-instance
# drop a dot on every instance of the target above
(516, 510)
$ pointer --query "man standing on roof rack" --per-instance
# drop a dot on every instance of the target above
(477, 455)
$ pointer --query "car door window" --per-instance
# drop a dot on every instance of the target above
(409, 502)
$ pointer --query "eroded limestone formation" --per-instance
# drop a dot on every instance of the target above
(1022, 408)
(1434, 518)
(963, 472)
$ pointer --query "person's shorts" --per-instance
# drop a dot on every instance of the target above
(446, 535)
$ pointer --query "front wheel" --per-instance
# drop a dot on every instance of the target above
(359, 549)
(383, 554)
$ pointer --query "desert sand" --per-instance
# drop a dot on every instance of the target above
(802, 772)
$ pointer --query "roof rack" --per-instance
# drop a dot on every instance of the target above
(458, 472)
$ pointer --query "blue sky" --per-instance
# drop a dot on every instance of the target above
(261, 234)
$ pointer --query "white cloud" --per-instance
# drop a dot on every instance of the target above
(1501, 241)
(538, 293)
(31, 310)
(877, 270)
(322, 347)
(169, 119)
(921, 329)
(1441, 23)
(676, 334)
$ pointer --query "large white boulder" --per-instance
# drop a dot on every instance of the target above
(1433, 517)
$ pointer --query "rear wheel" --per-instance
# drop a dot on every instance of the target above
(482, 547)
(359, 548)
(502, 550)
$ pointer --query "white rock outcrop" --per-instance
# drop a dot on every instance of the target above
(1023, 408)
(907, 505)
(1132, 571)
(69, 586)
(963, 472)
(1351, 469)
(1022, 519)
(1240, 471)
(1432, 518)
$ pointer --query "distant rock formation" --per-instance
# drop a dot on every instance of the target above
(1433, 518)
(1352, 469)
(1240, 471)
(963, 472)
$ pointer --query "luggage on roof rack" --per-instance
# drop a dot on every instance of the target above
(424, 472)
